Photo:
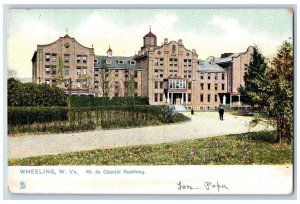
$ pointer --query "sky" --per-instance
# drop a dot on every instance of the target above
(210, 31)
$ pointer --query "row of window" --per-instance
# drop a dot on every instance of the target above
(53, 58)
(208, 98)
(186, 74)
(172, 62)
(210, 76)
(209, 86)
(122, 62)
(116, 73)
(116, 85)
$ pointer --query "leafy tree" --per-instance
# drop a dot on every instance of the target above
(254, 93)
(279, 88)
(59, 78)
(129, 84)
(107, 79)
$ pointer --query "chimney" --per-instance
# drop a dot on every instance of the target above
(166, 40)
(194, 50)
(180, 42)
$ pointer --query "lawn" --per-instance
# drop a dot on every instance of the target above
(247, 148)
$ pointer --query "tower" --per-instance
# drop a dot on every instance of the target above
(109, 52)
(150, 39)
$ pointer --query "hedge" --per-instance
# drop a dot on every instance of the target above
(87, 101)
(32, 94)
(60, 119)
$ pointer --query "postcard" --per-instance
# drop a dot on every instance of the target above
(150, 101)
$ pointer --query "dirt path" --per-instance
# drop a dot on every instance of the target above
(202, 124)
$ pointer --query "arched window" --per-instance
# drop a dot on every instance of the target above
(173, 49)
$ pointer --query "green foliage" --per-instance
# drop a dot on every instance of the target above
(87, 101)
(280, 98)
(61, 119)
(253, 93)
(169, 115)
(271, 88)
(241, 149)
(129, 89)
(32, 94)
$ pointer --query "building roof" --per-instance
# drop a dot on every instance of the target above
(114, 62)
(150, 34)
(210, 66)
(226, 59)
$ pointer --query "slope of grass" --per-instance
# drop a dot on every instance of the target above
(239, 149)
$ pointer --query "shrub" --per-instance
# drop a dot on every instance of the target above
(32, 94)
(87, 101)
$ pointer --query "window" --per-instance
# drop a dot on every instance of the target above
(47, 81)
(201, 86)
(161, 97)
(161, 73)
(96, 84)
(48, 69)
(53, 57)
(189, 85)
(173, 73)
(47, 57)
(155, 97)
(116, 85)
(135, 85)
(187, 62)
(132, 62)
(116, 73)
(121, 62)
(223, 87)
(161, 61)
(208, 76)
(216, 76)
(173, 62)
(53, 81)
(208, 98)
(66, 83)
(78, 83)
(201, 75)
(208, 86)
(156, 73)
(189, 97)
(216, 87)
(66, 70)
(96, 72)
(216, 98)
(173, 50)
(223, 76)
(66, 58)
(53, 70)
(78, 58)
(84, 84)
(156, 84)
(161, 84)
(189, 74)
(84, 71)
(78, 70)
(84, 58)
(135, 74)
(201, 98)
(155, 62)
(177, 84)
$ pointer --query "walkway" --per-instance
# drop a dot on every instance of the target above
(203, 124)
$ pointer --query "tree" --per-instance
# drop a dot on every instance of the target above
(253, 93)
(59, 78)
(107, 79)
(130, 84)
(279, 88)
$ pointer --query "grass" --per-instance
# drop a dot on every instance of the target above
(239, 149)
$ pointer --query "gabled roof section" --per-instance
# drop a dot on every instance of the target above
(150, 34)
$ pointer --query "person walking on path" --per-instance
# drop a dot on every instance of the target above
(192, 111)
(221, 113)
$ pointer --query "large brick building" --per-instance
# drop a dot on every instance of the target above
(167, 74)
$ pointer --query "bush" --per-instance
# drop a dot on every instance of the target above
(32, 94)
(60, 119)
(87, 101)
